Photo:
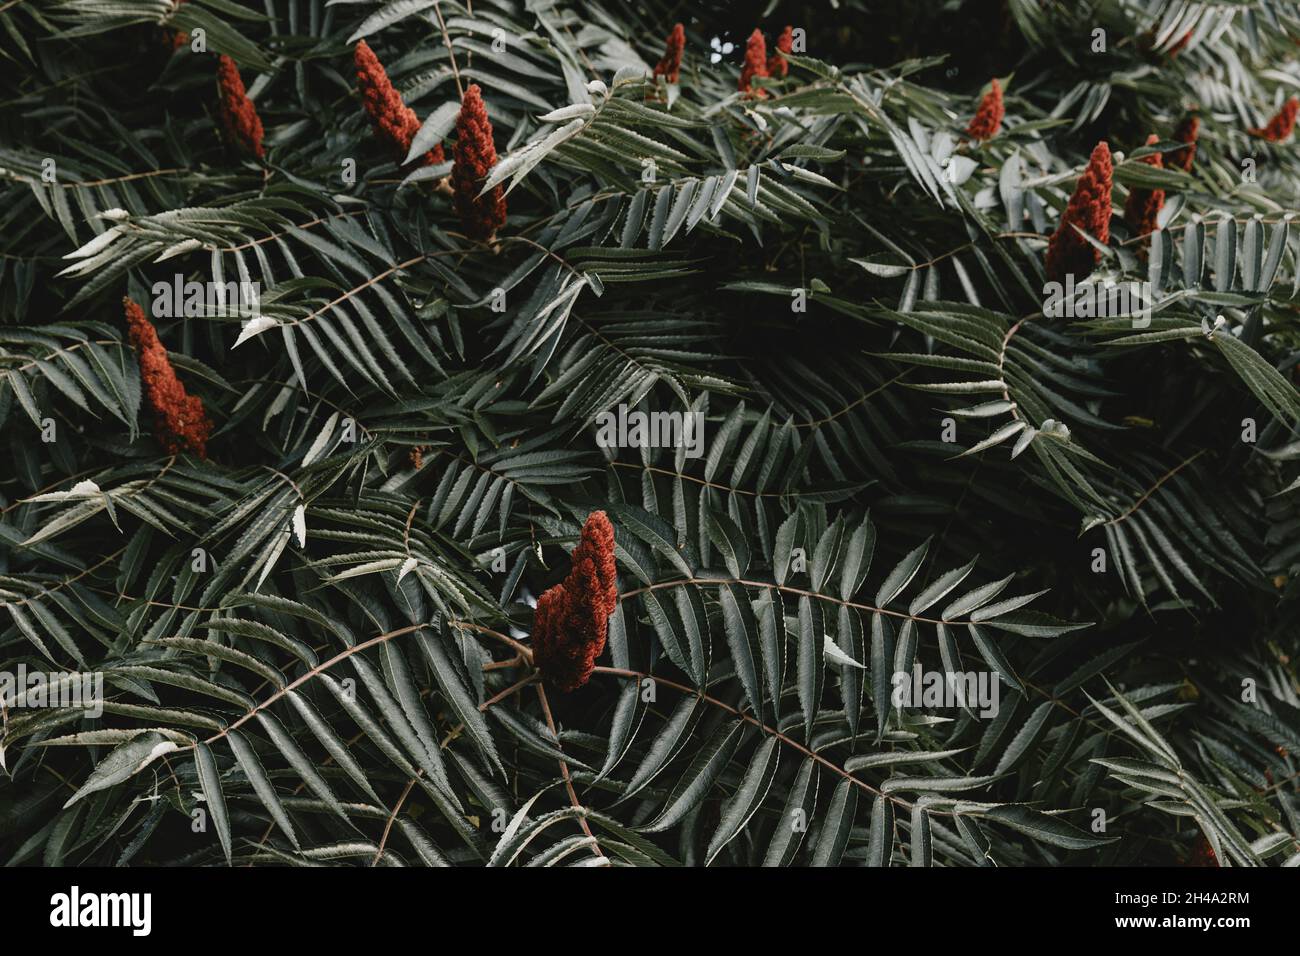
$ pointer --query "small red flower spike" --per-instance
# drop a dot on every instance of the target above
(755, 63)
(988, 117)
(180, 421)
(777, 65)
(1279, 128)
(1187, 132)
(238, 114)
(474, 155)
(1068, 253)
(1142, 207)
(571, 620)
(394, 122)
(670, 67)
(1181, 45)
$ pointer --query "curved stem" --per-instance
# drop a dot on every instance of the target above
(788, 590)
(568, 780)
(749, 718)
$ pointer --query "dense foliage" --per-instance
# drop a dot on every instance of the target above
(303, 547)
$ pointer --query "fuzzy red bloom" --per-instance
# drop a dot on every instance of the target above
(1187, 132)
(571, 620)
(777, 65)
(670, 67)
(1280, 126)
(596, 545)
(755, 63)
(988, 117)
(474, 155)
(238, 114)
(180, 421)
(1068, 253)
(1143, 205)
(1202, 854)
(175, 39)
(394, 122)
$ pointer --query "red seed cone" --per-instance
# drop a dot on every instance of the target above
(755, 63)
(180, 421)
(394, 122)
(238, 114)
(1143, 205)
(1187, 132)
(596, 544)
(988, 117)
(670, 67)
(1280, 126)
(571, 620)
(474, 155)
(1068, 253)
(1181, 45)
(1202, 854)
(175, 39)
(777, 65)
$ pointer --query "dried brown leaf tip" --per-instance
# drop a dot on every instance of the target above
(180, 421)
(571, 620)
(1279, 128)
(988, 117)
(1068, 253)
(394, 122)
(238, 114)
(777, 65)
(1142, 208)
(755, 64)
(670, 67)
(474, 155)
(1187, 132)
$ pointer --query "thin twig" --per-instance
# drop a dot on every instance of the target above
(446, 40)
(568, 781)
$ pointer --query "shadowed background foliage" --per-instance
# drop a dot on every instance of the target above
(315, 640)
